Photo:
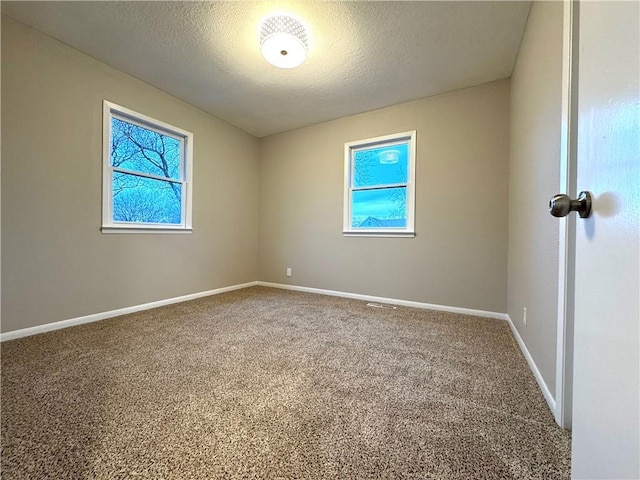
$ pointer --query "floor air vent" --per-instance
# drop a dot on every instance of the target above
(380, 305)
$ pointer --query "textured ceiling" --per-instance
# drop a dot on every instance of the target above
(362, 55)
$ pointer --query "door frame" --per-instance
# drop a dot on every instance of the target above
(567, 225)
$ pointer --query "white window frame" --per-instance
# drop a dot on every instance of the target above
(386, 140)
(111, 110)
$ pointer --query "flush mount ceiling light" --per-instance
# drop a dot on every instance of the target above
(389, 156)
(283, 40)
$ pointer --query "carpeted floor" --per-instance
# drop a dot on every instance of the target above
(272, 384)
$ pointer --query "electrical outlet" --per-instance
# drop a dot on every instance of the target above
(288, 271)
(524, 315)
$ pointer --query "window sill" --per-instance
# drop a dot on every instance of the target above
(380, 234)
(157, 230)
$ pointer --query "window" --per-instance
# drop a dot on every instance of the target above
(379, 191)
(146, 173)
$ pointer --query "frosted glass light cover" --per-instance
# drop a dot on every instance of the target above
(283, 50)
(283, 41)
(388, 157)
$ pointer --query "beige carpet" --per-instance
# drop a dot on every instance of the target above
(265, 383)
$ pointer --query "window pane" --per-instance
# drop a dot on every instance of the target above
(145, 200)
(143, 150)
(380, 165)
(382, 208)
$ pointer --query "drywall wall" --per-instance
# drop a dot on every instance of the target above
(534, 176)
(56, 264)
(458, 256)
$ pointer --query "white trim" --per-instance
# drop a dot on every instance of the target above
(25, 332)
(111, 110)
(566, 236)
(147, 175)
(107, 193)
(148, 229)
(395, 234)
(532, 365)
(443, 308)
(393, 139)
(145, 121)
(392, 301)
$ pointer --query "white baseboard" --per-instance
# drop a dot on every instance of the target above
(534, 368)
(391, 301)
(114, 313)
(406, 303)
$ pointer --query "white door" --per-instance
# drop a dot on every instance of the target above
(606, 375)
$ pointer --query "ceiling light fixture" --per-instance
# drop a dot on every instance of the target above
(283, 40)
(389, 156)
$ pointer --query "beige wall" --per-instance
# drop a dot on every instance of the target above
(56, 264)
(534, 178)
(458, 257)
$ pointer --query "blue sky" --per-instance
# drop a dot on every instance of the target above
(138, 198)
(369, 171)
(158, 147)
(373, 203)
